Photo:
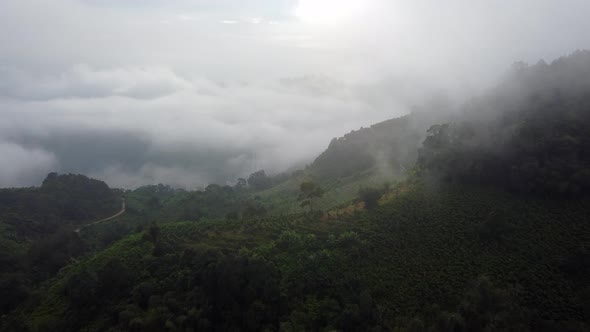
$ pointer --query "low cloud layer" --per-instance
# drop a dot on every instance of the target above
(193, 92)
(21, 166)
(134, 126)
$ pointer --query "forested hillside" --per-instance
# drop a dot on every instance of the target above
(390, 146)
(531, 134)
(61, 200)
(446, 258)
(488, 231)
(37, 226)
(379, 155)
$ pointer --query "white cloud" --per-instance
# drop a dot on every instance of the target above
(151, 173)
(82, 81)
(20, 166)
(88, 75)
(216, 131)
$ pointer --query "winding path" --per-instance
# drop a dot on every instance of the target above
(123, 207)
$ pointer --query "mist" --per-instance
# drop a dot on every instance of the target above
(194, 92)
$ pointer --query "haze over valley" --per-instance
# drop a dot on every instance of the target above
(189, 93)
(294, 165)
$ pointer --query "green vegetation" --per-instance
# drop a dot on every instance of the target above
(420, 259)
(489, 232)
(535, 142)
(310, 192)
(62, 200)
(37, 230)
(390, 147)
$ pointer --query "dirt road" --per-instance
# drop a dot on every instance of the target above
(106, 219)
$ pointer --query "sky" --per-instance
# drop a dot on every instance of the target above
(191, 92)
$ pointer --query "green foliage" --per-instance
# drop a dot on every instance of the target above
(61, 200)
(384, 268)
(309, 193)
(482, 307)
(535, 141)
(47, 255)
(370, 197)
(259, 181)
(454, 255)
(391, 145)
(13, 289)
(253, 210)
(37, 230)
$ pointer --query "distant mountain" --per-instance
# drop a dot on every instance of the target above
(37, 229)
(60, 201)
(391, 146)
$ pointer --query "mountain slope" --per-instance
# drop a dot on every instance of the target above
(465, 243)
(365, 158)
(37, 225)
(423, 248)
(531, 134)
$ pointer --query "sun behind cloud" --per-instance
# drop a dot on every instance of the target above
(329, 11)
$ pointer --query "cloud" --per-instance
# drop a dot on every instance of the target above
(149, 173)
(104, 88)
(95, 122)
(20, 166)
(81, 81)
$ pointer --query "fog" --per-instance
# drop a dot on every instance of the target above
(193, 92)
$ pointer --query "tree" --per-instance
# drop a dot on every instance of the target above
(80, 289)
(259, 180)
(253, 210)
(486, 307)
(233, 215)
(241, 184)
(154, 202)
(309, 192)
(153, 234)
(370, 197)
(114, 278)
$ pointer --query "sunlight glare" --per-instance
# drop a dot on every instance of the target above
(328, 11)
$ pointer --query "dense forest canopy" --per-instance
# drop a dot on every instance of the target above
(531, 134)
(61, 200)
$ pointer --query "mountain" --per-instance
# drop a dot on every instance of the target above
(61, 200)
(37, 229)
(369, 157)
(391, 146)
(531, 135)
(486, 229)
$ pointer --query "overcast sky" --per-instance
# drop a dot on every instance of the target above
(189, 92)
